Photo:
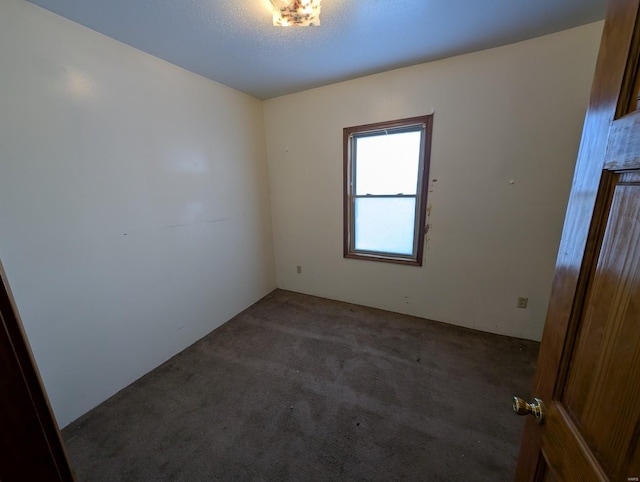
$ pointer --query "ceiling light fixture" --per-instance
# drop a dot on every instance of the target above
(296, 13)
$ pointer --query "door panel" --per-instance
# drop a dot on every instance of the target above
(600, 401)
(565, 452)
(611, 405)
(623, 151)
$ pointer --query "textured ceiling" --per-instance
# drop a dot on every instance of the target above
(234, 42)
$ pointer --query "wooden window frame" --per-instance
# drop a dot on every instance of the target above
(425, 123)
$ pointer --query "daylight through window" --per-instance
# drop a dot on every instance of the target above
(386, 170)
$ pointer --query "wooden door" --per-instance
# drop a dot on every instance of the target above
(30, 444)
(588, 374)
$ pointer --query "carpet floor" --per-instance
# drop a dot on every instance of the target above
(300, 388)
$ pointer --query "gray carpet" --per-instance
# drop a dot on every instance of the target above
(302, 388)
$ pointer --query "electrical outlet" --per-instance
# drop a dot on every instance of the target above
(522, 302)
(299, 269)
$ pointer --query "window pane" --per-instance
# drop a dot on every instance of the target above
(387, 163)
(385, 224)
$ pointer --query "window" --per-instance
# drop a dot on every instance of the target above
(386, 167)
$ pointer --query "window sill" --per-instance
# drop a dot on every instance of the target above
(383, 259)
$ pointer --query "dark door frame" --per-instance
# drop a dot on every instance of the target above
(31, 446)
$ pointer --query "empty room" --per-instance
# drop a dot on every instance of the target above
(319, 240)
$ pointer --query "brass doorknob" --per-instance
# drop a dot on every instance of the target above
(535, 408)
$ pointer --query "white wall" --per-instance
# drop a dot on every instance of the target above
(134, 208)
(513, 112)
